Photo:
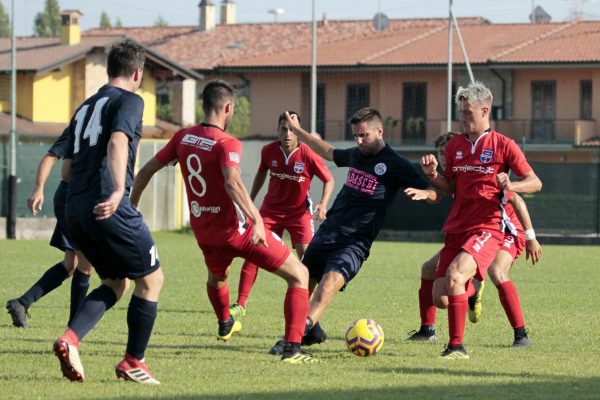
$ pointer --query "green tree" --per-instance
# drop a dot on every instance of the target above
(118, 23)
(105, 20)
(240, 124)
(4, 23)
(47, 23)
(160, 21)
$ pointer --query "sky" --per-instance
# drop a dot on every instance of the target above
(186, 12)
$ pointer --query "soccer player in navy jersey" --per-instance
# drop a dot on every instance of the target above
(376, 173)
(223, 217)
(104, 135)
(288, 204)
(72, 264)
(476, 173)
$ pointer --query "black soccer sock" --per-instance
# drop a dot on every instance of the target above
(79, 287)
(309, 324)
(140, 320)
(93, 308)
(51, 279)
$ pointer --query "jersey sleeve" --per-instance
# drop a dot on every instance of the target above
(59, 148)
(516, 159)
(341, 158)
(409, 176)
(231, 153)
(318, 166)
(168, 154)
(263, 160)
(128, 115)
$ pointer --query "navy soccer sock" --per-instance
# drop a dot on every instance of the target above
(51, 279)
(93, 308)
(140, 320)
(79, 287)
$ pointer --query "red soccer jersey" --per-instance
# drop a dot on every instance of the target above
(290, 176)
(479, 201)
(203, 151)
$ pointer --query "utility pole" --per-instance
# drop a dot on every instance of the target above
(11, 220)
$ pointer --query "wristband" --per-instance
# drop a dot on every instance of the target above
(529, 234)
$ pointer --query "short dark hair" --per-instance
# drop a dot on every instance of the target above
(124, 58)
(365, 114)
(283, 118)
(215, 94)
(443, 139)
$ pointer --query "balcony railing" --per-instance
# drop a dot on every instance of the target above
(422, 132)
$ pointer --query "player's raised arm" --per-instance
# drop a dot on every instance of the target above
(429, 166)
(238, 193)
(317, 144)
(529, 183)
(533, 249)
(142, 178)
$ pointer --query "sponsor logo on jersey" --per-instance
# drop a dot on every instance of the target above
(473, 168)
(361, 181)
(380, 169)
(274, 163)
(197, 209)
(234, 157)
(486, 156)
(283, 176)
(459, 155)
(198, 141)
(298, 167)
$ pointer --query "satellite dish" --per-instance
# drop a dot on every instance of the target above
(381, 21)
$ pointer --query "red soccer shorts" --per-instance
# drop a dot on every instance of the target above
(219, 257)
(514, 245)
(481, 244)
(300, 226)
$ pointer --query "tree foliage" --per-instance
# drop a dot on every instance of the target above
(105, 20)
(4, 22)
(160, 21)
(240, 123)
(47, 23)
(118, 23)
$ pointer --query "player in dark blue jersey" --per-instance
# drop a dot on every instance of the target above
(104, 134)
(72, 264)
(342, 243)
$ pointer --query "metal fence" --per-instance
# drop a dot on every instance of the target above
(569, 202)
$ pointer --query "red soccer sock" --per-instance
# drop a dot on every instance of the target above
(457, 316)
(219, 298)
(509, 297)
(295, 309)
(247, 278)
(426, 306)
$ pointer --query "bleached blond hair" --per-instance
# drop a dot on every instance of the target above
(475, 93)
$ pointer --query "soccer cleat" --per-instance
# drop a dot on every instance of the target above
(293, 354)
(70, 364)
(455, 353)
(277, 348)
(314, 336)
(425, 334)
(132, 369)
(475, 307)
(228, 328)
(237, 310)
(521, 340)
(18, 313)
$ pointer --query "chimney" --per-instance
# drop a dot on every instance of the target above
(228, 12)
(207, 15)
(70, 32)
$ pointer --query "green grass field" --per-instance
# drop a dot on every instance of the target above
(558, 298)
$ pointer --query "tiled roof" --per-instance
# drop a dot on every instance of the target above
(354, 43)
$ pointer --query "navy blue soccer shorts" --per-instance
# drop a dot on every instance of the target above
(61, 239)
(118, 247)
(330, 251)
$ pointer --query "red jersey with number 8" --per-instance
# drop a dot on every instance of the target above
(203, 151)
